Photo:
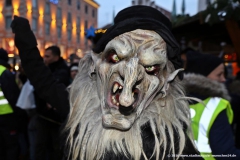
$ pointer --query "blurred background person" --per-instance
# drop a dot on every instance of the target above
(52, 58)
(10, 115)
(47, 121)
(211, 123)
(234, 89)
(184, 55)
(74, 58)
(26, 101)
(73, 71)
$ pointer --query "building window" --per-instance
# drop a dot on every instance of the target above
(8, 21)
(133, 2)
(69, 34)
(59, 31)
(140, 2)
(69, 2)
(47, 28)
(34, 24)
(47, 8)
(86, 43)
(78, 5)
(86, 9)
(86, 40)
(78, 37)
(8, 3)
(59, 13)
(93, 13)
(208, 2)
(54, 1)
(78, 21)
(86, 25)
(34, 3)
(69, 18)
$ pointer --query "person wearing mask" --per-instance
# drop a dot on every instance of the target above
(9, 113)
(212, 117)
(55, 93)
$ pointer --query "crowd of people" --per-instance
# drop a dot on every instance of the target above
(31, 120)
(29, 128)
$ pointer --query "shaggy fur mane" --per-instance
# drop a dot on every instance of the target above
(87, 139)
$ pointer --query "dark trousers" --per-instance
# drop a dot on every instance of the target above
(32, 137)
(9, 146)
(47, 144)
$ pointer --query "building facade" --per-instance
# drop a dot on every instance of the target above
(152, 4)
(54, 22)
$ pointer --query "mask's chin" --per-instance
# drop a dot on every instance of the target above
(117, 121)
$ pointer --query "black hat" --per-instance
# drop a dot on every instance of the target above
(3, 55)
(202, 64)
(238, 75)
(4, 58)
(143, 17)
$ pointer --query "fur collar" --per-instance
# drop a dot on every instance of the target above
(196, 84)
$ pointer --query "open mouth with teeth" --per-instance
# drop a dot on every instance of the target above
(114, 96)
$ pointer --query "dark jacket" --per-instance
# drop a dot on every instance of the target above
(60, 73)
(55, 93)
(48, 88)
(221, 135)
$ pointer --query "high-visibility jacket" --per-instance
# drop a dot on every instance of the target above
(203, 118)
(5, 107)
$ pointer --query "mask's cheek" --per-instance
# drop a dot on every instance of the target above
(153, 83)
(152, 86)
(102, 71)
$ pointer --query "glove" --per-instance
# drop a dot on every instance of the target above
(24, 37)
(20, 24)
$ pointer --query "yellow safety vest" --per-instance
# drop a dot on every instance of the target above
(203, 118)
(5, 107)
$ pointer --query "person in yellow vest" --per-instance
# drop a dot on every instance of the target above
(9, 92)
(212, 117)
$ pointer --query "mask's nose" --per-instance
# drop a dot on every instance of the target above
(131, 73)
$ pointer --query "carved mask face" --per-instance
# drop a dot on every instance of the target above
(131, 72)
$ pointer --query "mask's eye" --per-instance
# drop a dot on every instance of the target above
(152, 70)
(113, 57)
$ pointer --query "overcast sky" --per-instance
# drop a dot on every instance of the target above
(105, 11)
